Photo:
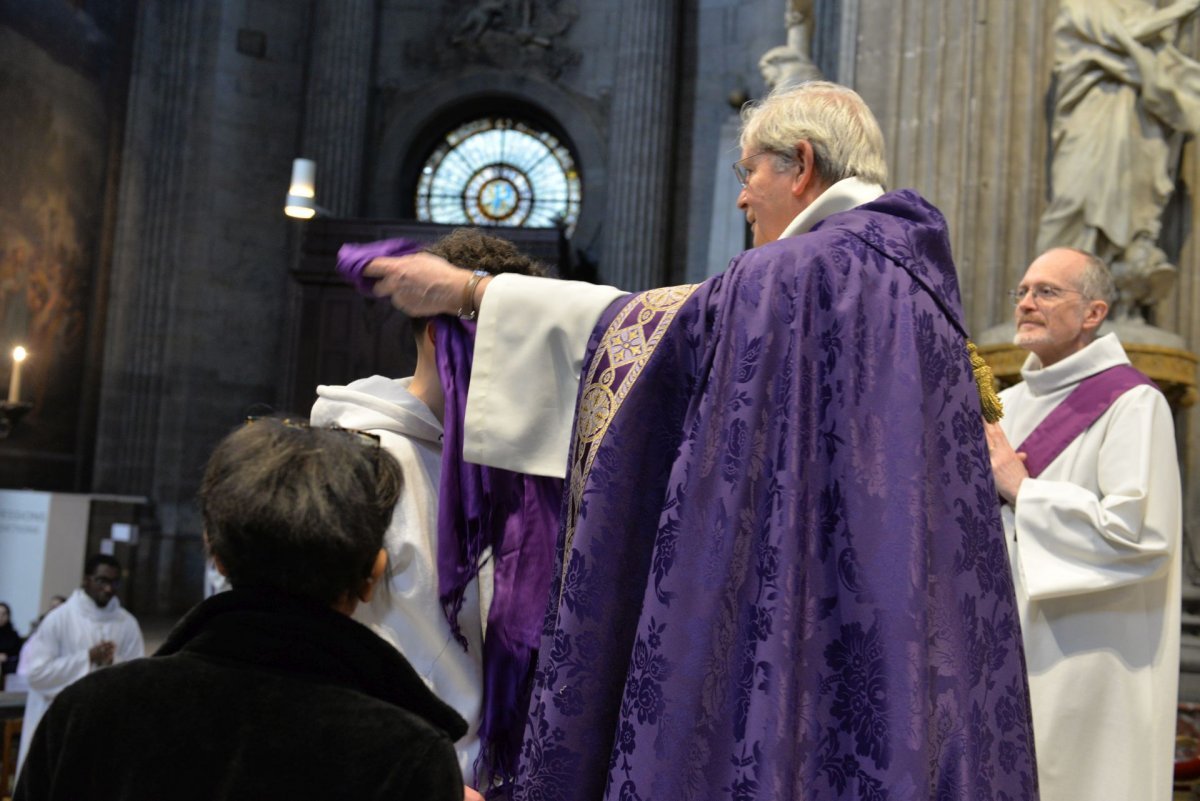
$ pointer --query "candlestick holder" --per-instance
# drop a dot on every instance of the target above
(10, 415)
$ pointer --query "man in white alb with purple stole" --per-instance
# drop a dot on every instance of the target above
(1093, 528)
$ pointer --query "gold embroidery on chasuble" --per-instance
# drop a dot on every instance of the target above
(628, 343)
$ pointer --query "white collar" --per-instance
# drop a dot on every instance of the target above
(1100, 354)
(846, 194)
(82, 603)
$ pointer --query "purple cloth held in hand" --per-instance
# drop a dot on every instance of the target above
(354, 257)
(516, 516)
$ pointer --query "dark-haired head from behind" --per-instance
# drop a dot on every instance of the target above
(96, 560)
(297, 509)
(472, 249)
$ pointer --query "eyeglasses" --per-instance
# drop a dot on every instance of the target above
(1042, 293)
(740, 170)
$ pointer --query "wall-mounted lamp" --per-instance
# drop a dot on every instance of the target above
(301, 198)
(12, 409)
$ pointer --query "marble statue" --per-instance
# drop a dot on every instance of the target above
(791, 63)
(1125, 97)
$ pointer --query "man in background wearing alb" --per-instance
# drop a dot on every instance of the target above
(1092, 519)
(88, 632)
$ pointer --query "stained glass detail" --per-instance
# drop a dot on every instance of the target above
(499, 171)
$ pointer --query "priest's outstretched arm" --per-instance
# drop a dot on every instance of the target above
(529, 349)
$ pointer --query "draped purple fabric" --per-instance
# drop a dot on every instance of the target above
(513, 514)
(1084, 406)
(481, 508)
(781, 568)
(353, 258)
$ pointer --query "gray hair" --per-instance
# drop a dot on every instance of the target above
(1096, 282)
(844, 134)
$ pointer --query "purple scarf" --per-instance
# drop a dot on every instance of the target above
(517, 516)
(1083, 406)
(353, 258)
(480, 507)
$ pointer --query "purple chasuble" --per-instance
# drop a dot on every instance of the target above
(1084, 406)
(781, 568)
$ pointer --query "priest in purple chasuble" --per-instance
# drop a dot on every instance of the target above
(781, 570)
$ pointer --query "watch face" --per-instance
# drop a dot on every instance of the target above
(497, 171)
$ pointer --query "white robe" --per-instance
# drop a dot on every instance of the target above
(1095, 551)
(406, 611)
(57, 653)
(529, 348)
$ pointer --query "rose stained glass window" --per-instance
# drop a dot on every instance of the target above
(499, 171)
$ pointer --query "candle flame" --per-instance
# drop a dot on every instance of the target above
(19, 354)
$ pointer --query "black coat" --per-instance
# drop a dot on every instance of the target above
(253, 696)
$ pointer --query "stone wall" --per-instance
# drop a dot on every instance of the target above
(440, 63)
(196, 332)
(61, 102)
(1181, 311)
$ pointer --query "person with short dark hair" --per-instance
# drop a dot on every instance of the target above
(408, 414)
(269, 690)
(87, 632)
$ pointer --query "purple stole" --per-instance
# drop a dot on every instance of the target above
(1084, 406)
(515, 514)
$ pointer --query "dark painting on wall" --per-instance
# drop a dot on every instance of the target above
(53, 161)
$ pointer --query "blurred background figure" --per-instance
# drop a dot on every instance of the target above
(87, 632)
(55, 602)
(10, 641)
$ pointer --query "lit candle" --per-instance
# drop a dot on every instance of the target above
(14, 383)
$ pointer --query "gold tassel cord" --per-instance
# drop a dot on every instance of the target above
(985, 382)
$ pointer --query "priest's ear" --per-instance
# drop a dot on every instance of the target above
(1093, 315)
(806, 185)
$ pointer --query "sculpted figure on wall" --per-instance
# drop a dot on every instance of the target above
(791, 63)
(509, 34)
(1125, 97)
(478, 18)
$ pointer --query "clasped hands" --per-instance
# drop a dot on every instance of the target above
(102, 653)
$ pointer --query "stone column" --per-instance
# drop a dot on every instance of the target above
(960, 91)
(335, 108)
(192, 332)
(641, 130)
(169, 64)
